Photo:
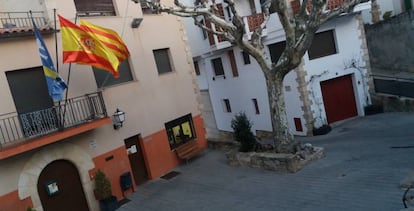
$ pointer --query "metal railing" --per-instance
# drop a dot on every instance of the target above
(75, 111)
(10, 20)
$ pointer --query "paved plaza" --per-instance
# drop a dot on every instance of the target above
(366, 159)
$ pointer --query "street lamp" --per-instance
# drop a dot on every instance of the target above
(119, 118)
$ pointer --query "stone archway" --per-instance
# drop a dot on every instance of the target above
(27, 186)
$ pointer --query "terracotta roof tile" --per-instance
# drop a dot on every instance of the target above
(17, 30)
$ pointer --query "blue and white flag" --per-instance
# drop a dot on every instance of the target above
(55, 84)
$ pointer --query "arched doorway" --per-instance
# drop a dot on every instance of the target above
(60, 188)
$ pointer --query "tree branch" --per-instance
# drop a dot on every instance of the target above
(345, 7)
(285, 19)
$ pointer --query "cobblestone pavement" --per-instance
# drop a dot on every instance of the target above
(366, 159)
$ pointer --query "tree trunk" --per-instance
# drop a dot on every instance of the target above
(283, 139)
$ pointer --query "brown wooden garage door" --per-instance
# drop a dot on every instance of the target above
(60, 188)
(338, 98)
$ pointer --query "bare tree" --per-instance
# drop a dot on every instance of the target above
(299, 27)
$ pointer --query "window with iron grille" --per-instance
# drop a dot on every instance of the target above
(217, 67)
(95, 7)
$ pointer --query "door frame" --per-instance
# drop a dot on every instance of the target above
(139, 142)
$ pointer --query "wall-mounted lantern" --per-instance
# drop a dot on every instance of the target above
(119, 118)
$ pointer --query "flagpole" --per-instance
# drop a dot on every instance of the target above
(67, 90)
(61, 122)
(56, 43)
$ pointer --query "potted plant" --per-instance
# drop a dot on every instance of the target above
(103, 192)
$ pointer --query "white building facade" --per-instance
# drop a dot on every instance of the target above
(330, 85)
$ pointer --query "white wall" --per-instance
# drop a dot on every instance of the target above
(349, 48)
(251, 84)
(21, 5)
(240, 91)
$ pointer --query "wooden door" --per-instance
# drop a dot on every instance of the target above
(338, 98)
(60, 188)
(136, 159)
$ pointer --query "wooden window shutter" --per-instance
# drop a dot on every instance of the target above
(233, 63)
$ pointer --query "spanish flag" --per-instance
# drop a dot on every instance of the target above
(92, 45)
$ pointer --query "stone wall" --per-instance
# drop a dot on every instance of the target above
(280, 162)
(390, 45)
(394, 103)
(391, 51)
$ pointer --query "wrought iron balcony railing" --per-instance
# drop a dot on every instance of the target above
(15, 128)
(10, 20)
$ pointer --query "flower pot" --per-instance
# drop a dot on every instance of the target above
(109, 204)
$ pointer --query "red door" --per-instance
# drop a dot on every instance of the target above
(338, 98)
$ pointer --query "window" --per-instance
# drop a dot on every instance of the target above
(276, 50)
(253, 6)
(196, 68)
(180, 130)
(272, 8)
(204, 33)
(104, 79)
(256, 106)
(162, 59)
(227, 107)
(323, 45)
(218, 66)
(233, 64)
(229, 15)
(146, 8)
(95, 8)
(246, 57)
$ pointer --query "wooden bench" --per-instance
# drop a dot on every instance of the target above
(188, 150)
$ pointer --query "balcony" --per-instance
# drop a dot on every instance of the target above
(252, 22)
(19, 24)
(23, 132)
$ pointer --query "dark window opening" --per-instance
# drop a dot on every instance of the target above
(323, 45)
(218, 66)
(272, 8)
(196, 68)
(246, 57)
(146, 7)
(276, 50)
(204, 33)
(95, 8)
(104, 79)
(162, 59)
(227, 105)
(180, 131)
(256, 106)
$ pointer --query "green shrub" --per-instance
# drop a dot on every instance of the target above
(387, 15)
(241, 126)
(102, 185)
